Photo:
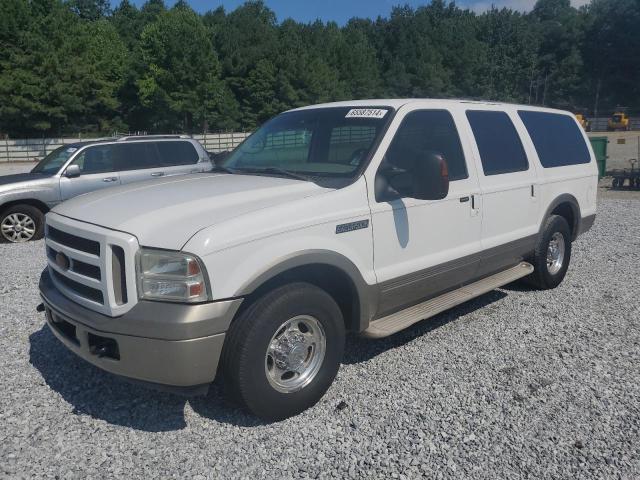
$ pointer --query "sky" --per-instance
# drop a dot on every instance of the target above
(342, 10)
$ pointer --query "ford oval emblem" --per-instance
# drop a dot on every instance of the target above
(62, 261)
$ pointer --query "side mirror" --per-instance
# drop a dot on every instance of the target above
(426, 179)
(218, 158)
(431, 177)
(72, 171)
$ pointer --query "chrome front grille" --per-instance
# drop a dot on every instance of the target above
(91, 265)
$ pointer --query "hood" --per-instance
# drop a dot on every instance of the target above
(167, 212)
(9, 181)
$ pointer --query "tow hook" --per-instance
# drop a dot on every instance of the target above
(99, 350)
(40, 308)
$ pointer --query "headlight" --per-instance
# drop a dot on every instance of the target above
(171, 277)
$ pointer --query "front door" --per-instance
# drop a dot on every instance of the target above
(422, 248)
(97, 171)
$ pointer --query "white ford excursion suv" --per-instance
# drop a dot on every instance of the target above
(363, 216)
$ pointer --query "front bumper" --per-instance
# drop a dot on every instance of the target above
(173, 345)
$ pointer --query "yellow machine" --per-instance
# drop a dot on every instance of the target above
(619, 121)
(583, 121)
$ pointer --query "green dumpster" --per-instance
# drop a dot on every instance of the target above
(599, 145)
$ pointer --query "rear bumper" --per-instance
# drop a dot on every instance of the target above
(182, 362)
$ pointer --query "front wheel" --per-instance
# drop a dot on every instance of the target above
(552, 254)
(21, 223)
(283, 352)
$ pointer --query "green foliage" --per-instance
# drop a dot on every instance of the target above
(78, 65)
(179, 79)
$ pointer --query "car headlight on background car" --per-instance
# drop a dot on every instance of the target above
(171, 277)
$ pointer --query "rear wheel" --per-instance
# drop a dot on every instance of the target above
(283, 352)
(21, 223)
(552, 254)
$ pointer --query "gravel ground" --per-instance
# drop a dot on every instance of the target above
(516, 384)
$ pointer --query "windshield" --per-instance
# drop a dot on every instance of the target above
(52, 162)
(325, 145)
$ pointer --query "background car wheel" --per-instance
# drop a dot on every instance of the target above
(283, 352)
(21, 223)
(552, 254)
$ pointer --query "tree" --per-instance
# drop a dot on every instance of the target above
(90, 9)
(60, 73)
(76, 65)
(180, 78)
(611, 54)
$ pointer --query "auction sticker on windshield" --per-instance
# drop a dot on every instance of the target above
(366, 113)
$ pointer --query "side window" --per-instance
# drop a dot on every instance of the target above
(98, 159)
(557, 139)
(349, 143)
(500, 147)
(425, 131)
(177, 153)
(135, 156)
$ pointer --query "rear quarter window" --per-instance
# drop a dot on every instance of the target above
(177, 153)
(557, 139)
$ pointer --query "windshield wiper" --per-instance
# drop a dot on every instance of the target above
(276, 171)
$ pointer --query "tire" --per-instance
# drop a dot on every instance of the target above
(252, 376)
(546, 276)
(28, 219)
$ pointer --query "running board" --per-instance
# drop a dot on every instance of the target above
(395, 322)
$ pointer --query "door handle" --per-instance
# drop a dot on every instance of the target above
(157, 174)
(464, 199)
(110, 179)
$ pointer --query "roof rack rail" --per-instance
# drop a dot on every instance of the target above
(130, 138)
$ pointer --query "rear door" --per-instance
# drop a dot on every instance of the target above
(178, 157)
(138, 161)
(97, 170)
(508, 182)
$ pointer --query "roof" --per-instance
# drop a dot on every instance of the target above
(130, 138)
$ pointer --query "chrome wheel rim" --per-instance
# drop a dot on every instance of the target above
(295, 354)
(18, 227)
(555, 253)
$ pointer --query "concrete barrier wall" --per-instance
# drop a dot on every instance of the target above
(622, 147)
(34, 149)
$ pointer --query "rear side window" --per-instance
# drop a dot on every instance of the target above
(135, 156)
(500, 147)
(425, 131)
(177, 153)
(557, 138)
